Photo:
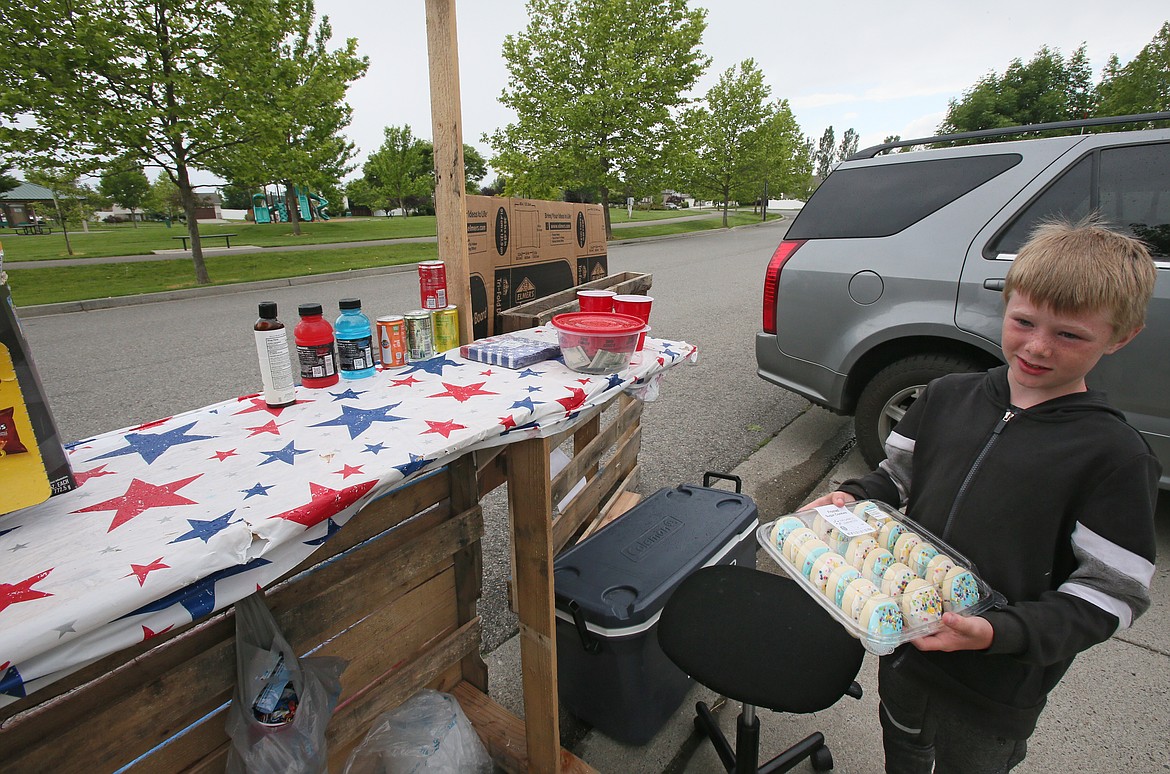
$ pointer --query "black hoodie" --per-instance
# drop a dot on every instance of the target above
(1054, 505)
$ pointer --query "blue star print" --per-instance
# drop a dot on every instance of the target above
(525, 404)
(199, 598)
(205, 530)
(416, 464)
(433, 366)
(359, 420)
(151, 446)
(257, 490)
(287, 454)
(346, 395)
(375, 448)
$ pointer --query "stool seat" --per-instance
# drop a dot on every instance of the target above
(760, 639)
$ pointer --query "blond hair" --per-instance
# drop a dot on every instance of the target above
(1085, 267)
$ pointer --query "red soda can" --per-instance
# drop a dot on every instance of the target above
(392, 340)
(432, 284)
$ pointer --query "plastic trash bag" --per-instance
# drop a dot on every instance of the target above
(428, 732)
(282, 704)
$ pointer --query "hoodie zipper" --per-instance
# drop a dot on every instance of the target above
(1008, 414)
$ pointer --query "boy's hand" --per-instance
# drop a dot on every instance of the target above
(959, 632)
(832, 498)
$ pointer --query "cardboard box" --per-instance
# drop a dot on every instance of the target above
(523, 249)
(33, 463)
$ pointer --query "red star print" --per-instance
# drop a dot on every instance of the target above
(348, 470)
(508, 422)
(147, 633)
(443, 428)
(271, 427)
(139, 497)
(462, 392)
(574, 401)
(86, 475)
(258, 404)
(324, 502)
(142, 570)
(486, 373)
(223, 455)
(404, 382)
(11, 593)
(584, 381)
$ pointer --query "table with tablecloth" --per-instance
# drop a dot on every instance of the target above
(175, 519)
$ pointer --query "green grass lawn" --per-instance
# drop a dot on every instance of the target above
(125, 239)
(76, 283)
(665, 229)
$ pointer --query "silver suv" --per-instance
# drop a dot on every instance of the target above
(892, 273)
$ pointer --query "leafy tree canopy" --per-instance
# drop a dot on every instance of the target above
(1142, 85)
(594, 84)
(124, 183)
(172, 83)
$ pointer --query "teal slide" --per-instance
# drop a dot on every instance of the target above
(321, 203)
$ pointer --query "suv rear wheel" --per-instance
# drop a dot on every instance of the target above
(884, 400)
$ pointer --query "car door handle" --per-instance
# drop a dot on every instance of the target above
(994, 284)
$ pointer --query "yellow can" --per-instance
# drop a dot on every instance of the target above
(445, 323)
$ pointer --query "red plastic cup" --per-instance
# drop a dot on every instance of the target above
(634, 306)
(642, 338)
(595, 300)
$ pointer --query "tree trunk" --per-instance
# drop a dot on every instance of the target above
(133, 220)
(726, 198)
(605, 209)
(188, 197)
(294, 207)
(64, 228)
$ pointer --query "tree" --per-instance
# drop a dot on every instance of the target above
(1142, 85)
(825, 154)
(728, 135)
(787, 163)
(474, 169)
(848, 145)
(309, 85)
(165, 200)
(71, 200)
(7, 181)
(400, 170)
(594, 84)
(126, 185)
(1048, 88)
(172, 83)
(236, 196)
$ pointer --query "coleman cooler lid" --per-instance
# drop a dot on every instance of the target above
(621, 577)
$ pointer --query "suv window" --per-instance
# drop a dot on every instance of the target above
(1132, 192)
(881, 200)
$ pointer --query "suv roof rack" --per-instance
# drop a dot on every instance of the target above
(870, 152)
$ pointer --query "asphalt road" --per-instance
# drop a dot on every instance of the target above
(113, 368)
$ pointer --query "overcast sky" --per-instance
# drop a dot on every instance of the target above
(844, 64)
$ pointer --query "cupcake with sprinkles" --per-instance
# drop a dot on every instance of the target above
(960, 590)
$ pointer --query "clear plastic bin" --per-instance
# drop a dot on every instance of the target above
(885, 578)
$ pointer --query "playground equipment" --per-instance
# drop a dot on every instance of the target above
(260, 211)
(310, 206)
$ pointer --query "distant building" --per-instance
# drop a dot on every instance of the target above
(24, 203)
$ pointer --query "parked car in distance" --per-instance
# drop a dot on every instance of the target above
(892, 273)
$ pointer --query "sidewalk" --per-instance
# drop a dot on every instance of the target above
(1109, 714)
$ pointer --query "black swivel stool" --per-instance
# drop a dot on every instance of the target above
(759, 639)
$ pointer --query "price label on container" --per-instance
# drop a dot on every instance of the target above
(845, 520)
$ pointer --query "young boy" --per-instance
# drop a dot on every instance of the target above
(1043, 486)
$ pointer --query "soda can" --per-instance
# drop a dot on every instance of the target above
(445, 323)
(432, 284)
(392, 340)
(420, 338)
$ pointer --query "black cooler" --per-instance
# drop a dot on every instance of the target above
(611, 588)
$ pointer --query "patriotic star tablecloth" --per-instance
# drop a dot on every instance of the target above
(178, 518)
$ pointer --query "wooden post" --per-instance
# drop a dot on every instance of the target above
(528, 475)
(447, 133)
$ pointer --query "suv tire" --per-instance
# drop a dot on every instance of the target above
(884, 400)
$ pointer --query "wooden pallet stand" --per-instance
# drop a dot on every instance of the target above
(394, 593)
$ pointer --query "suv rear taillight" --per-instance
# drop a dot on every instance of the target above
(772, 280)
